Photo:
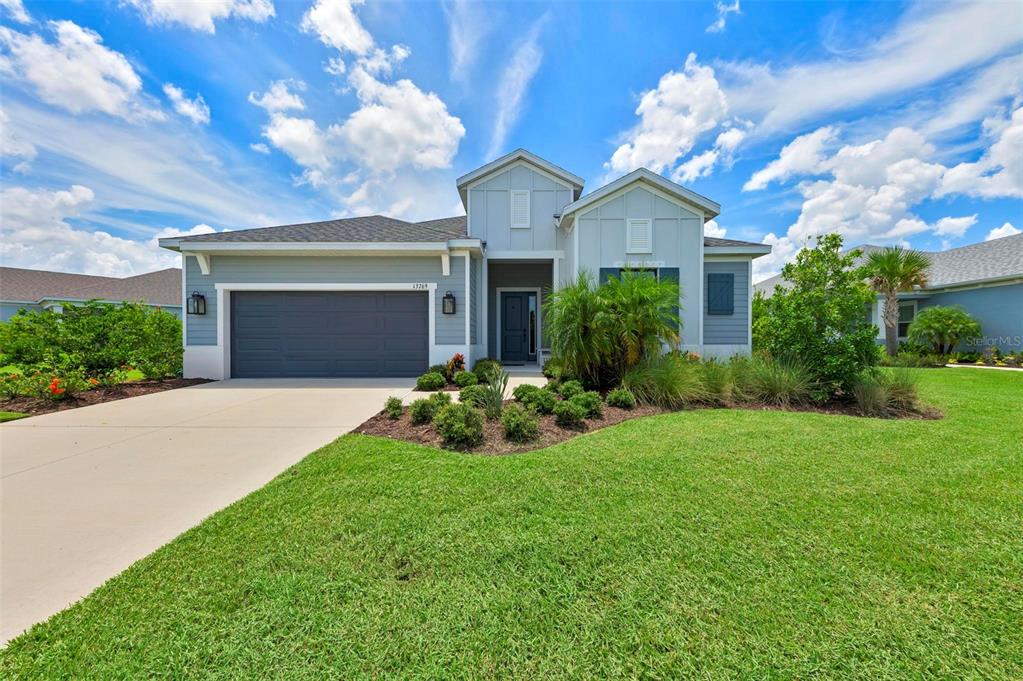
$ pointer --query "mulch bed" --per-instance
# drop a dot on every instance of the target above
(98, 395)
(494, 442)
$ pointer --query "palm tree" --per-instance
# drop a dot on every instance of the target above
(891, 271)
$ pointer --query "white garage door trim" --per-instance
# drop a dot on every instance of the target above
(223, 347)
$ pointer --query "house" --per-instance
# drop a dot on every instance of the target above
(42, 290)
(377, 296)
(985, 279)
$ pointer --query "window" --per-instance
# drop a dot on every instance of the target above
(639, 236)
(907, 311)
(868, 315)
(720, 293)
(520, 209)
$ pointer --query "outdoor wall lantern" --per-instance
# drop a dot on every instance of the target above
(196, 303)
(449, 303)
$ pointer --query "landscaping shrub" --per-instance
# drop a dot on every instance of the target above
(464, 379)
(670, 381)
(883, 392)
(441, 369)
(424, 409)
(521, 391)
(520, 424)
(907, 359)
(541, 401)
(718, 381)
(568, 414)
(493, 395)
(621, 398)
(779, 382)
(569, 389)
(431, 381)
(871, 396)
(460, 425)
(820, 318)
(393, 408)
(454, 366)
(486, 369)
(591, 402)
(551, 370)
(474, 395)
(941, 328)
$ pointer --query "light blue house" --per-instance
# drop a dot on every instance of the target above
(376, 296)
(25, 289)
(985, 279)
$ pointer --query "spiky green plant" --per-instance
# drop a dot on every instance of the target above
(891, 271)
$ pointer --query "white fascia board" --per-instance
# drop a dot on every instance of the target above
(978, 283)
(755, 251)
(356, 246)
(517, 155)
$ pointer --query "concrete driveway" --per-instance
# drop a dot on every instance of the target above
(87, 492)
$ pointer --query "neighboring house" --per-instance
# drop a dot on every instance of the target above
(42, 290)
(985, 279)
(376, 296)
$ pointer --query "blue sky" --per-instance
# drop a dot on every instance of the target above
(125, 121)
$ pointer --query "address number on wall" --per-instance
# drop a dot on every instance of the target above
(420, 287)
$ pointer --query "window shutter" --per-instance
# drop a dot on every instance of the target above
(720, 293)
(608, 272)
(520, 209)
(640, 236)
(671, 274)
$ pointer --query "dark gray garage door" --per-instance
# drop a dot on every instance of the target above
(328, 334)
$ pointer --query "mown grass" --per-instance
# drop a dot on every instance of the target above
(712, 543)
(11, 416)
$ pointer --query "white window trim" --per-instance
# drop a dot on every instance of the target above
(539, 331)
(511, 208)
(628, 235)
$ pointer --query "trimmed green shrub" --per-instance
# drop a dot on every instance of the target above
(424, 409)
(540, 401)
(570, 389)
(568, 414)
(551, 370)
(621, 398)
(460, 425)
(670, 381)
(520, 424)
(591, 402)
(942, 328)
(464, 379)
(493, 395)
(486, 369)
(393, 408)
(441, 369)
(431, 381)
(521, 391)
(474, 395)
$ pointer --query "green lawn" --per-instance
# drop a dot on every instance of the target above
(713, 543)
(11, 415)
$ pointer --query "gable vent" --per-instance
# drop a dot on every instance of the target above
(640, 237)
(520, 209)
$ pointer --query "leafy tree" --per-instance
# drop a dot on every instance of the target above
(892, 271)
(942, 328)
(819, 320)
(759, 320)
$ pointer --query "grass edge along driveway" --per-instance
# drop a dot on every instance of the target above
(716, 542)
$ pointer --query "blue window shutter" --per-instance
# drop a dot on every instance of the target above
(670, 274)
(720, 293)
(608, 272)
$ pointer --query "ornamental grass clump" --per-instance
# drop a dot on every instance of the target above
(670, 381)
(886, 392)
(779, 382)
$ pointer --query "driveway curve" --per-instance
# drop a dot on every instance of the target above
(87, 492)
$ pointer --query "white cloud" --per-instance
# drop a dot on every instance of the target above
(1005, 230)
(77, 72)
(299, 138)
(701, 165)
(468, 28)
(712, 228)
(976, 97)
(954, 227)
(682, 107)
(13, 146)
(999, 172)
(259, 147)
(194, 110)
(513, 84)
(723, 9)
(925, 45)
(800, 156)
(336, 25)
(202, 15)
(279, 97)
(16, 10)
(379, 62)
(167, 232)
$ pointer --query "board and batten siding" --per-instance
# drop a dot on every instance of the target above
(490, 211)
(475, 266)
(241, 269)
(998, 309)
(730, 329)
(677, 241)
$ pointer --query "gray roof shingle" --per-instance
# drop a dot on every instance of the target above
(162, 287)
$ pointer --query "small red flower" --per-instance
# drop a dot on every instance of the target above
(55, 388)
(93, 381)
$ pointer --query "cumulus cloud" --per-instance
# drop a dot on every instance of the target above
(513, 84)
(335, 24)
(299, 138)
(15, 9)
(202, 15)
(702, 164)
(1005, 230)
(685, 105)
(194, 110)
(800, 156)
(77, 72)
(723, 9)
(279, 96)
(999, 172)
(712, 228)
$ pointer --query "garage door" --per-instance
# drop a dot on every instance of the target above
(328, 333)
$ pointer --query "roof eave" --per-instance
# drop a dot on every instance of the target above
(755, 251)
(571, 178)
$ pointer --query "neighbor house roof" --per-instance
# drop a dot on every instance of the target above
(162, 287)
(369, 229)
(986, 261)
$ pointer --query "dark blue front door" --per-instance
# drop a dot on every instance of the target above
(514, 327)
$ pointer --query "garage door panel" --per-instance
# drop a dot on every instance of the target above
(328, 333)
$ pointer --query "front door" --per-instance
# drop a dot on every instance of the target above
(515, 326)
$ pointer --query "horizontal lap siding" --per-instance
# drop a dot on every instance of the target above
(238, 269)
(730, 329)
